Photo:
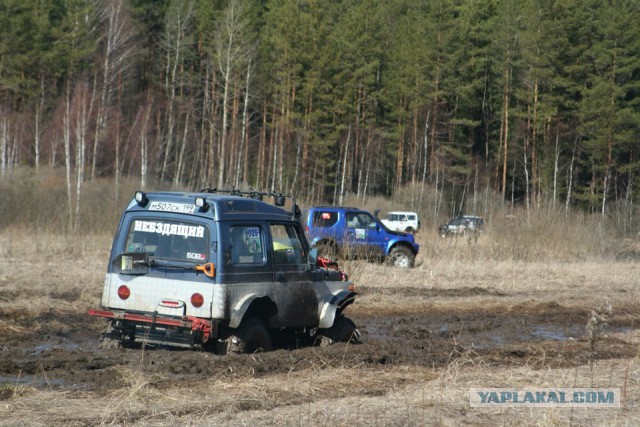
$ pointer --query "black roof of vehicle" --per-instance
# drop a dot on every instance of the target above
(216, 207)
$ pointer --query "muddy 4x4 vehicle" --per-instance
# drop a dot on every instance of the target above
(220, 270)
(463, 225)
(354, 233)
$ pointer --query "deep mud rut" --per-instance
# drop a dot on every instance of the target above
(59, 350)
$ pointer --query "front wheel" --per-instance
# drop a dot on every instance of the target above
(401, 257)
(342, 330)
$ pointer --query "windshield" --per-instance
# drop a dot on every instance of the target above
(168, 239)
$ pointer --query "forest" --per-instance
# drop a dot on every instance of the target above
(536, 102)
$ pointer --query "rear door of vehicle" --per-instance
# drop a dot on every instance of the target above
(170, 246)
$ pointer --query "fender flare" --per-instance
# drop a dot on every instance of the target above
(260, 305)
(334, 304)
(239, 310)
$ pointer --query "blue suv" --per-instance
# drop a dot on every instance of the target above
(355, 233)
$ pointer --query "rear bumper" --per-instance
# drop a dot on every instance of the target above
(163, 330)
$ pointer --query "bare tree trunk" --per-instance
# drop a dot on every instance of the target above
(38, 118)
(82, 112)
(66, 136)
(297, 168)
(344, 166)
(245, 119)
(116, 55)
(338, 169)
(527, 201)
(570, 184)
(425, 157)
(183, 145)
(505, 142)
(144, 148)
(555, 169)
(228, 54)
(4, 145)
(176, 31)
(276, 140)
(262, 162)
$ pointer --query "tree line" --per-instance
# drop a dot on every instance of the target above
(535, 100)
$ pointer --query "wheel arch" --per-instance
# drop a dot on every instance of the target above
(403, 244)
(252, 305)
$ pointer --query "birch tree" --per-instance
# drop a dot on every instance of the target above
(233, 51)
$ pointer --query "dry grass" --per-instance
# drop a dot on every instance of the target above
(501, 271)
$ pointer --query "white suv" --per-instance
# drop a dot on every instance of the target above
(409, 222)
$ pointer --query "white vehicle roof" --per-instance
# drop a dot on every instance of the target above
(402, 213)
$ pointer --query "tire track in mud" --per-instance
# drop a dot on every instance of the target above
(63, 350)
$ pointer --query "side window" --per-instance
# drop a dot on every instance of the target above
(244, 245)
(324, 219)
(287, 248)
(360, 220)
(170, 239)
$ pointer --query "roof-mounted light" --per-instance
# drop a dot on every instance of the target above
(201, 202)
(141, 198)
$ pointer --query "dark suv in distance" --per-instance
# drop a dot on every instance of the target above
(463, 225)
(355, 233)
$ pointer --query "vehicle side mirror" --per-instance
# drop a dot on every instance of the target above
(297, 213)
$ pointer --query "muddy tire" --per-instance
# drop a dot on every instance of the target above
(328, 250)
(251, 336)
(401, 257)
(343, 330)
(110, 338)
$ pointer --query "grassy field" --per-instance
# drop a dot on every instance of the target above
(508, 311)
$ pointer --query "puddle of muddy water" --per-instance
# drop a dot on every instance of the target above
(48, 347)
(466, 333)
(30, 380)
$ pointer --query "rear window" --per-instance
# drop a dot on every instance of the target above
(169, 239)
(324, 219)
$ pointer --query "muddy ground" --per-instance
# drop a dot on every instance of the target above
(59, 350)
(429, 334)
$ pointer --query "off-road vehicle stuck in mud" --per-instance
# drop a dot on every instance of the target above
(220, 270)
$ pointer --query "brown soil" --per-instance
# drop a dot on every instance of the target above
(58, 350)
(430, 333)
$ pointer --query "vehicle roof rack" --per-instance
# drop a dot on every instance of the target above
(278, 198)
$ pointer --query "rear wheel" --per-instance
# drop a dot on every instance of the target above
(251, 336)
(113, 337)
(343, 330)
(401, 257)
